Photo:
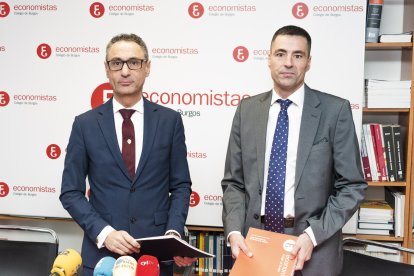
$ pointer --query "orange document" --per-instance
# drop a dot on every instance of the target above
(270, 255)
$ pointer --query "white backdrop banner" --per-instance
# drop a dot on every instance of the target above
(206, 56)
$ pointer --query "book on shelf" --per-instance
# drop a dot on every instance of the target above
(373, 20)
(379, 151)
(382, 152)
(387, 84)
(213, 243)
(389, 152)
(387, 93)
(271, 254)
(376, 220)
(368, 225)
(396, 199)
(379, 209)
(376, 217)
(370, 152)
(384, 102)
(365, 159)
(399, 152)
(168, 246)
(380, 232)
(400, 37)
(374, 153)
(201, 244)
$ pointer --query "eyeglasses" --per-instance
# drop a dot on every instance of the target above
(118, 64)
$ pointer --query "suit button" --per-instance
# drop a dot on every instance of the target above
(260, 191)
(132, 190)
(133, 220)
(256, 216)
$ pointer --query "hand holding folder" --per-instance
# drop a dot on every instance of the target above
(271, 254)
(169, 246)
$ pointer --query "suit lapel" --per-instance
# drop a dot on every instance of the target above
(107, 125)
(262, 116)
(151, 118)
(309, 124)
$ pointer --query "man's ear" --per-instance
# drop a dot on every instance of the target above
(148, 68)
(106, 69)
(309, 64)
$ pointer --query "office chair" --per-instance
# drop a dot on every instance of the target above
(357, 264)
(27, 258)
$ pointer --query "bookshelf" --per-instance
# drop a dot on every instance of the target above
(395, 61)
(403, 117)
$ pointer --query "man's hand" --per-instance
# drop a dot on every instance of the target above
(184, 261)
(122, 243)
(302, 251)
(237, 243)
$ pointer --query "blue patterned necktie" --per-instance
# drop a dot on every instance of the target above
(275, 191)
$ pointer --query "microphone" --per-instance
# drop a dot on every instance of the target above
(66, 263)
(104, 266)
(148, 266)
(125, 266)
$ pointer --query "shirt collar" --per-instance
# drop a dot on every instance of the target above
(139, 106)
(296, 97)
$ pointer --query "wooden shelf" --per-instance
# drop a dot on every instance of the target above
(385, 110)
(204, 228)
(388, 45)
(386, 184)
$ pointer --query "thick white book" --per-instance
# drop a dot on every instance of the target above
(376, 83)
(401, 37)
(384, 226)
(373, 232)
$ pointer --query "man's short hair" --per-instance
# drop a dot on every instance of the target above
(293, 30)
(128, 37)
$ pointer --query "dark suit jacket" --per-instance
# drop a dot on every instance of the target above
(156, 200)
(329, 184)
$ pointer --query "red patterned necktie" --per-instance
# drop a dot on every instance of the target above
(128, 140)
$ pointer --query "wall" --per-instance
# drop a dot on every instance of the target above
(220, 65)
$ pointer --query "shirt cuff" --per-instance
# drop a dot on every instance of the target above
(231, 233)
(311, 235)
(100, 239)
(173, 232)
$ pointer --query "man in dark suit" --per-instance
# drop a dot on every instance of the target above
(146, 195)
(322, 175)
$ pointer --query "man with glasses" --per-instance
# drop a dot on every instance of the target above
(134, 155)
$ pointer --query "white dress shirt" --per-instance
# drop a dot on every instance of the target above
(138, 120)
(295, 116)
